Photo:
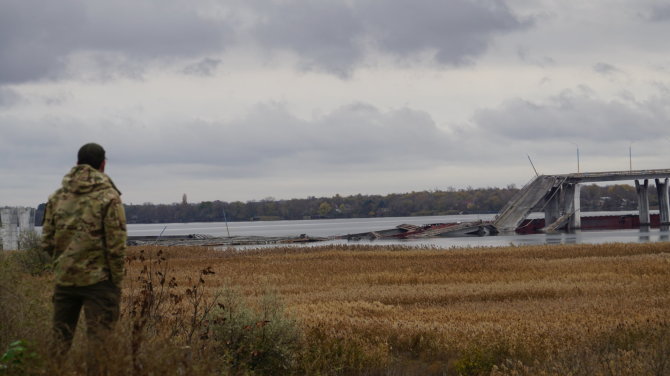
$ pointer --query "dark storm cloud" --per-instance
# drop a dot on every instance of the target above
(37, 36)
(334, 35)
(578, 117)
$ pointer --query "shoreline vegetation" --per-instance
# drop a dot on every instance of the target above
(363, 310)
(423, 203)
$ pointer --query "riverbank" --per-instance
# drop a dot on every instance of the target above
(203, 240)
(555, 310)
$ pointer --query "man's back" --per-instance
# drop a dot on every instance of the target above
(85, 229)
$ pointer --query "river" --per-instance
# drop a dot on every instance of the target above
(335, 227)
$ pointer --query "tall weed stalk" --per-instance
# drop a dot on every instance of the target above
(158, 310)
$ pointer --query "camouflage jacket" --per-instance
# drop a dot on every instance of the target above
(84, 229)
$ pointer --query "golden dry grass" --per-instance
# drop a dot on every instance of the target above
(365, 310)
(527, 302)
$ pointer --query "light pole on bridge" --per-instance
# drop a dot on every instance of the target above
(577, 155)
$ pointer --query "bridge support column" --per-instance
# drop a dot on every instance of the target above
(552, 210)
(571, 205)
(663, 202)
(643, 202)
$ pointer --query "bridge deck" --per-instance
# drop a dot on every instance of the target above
(591, 177)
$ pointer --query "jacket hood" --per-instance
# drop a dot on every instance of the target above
(85, 179)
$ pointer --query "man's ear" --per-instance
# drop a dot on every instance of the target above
(102, 166)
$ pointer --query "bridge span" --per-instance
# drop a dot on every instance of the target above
(559, 196)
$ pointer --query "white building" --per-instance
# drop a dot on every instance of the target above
(14, 221)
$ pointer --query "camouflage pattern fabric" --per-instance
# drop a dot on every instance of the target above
(84, 229)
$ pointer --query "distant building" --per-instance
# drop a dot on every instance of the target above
(15, 221)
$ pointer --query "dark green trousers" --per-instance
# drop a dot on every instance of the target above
(101, 309)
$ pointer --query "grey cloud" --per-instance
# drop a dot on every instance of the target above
(334, 35)
(605, 68)
(323, 33)
(271, 138)
(525, 56)
(32, 37)
(38, 145)
(660, 13)
(577, 117)
(267, 141)
(662, 87)
(103, 66)
(457, 30)
(37, 36)
(205, 67)
(151, 28)
(8, 97)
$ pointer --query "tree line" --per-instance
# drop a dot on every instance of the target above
(423, 203)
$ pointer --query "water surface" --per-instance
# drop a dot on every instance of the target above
(337, 227)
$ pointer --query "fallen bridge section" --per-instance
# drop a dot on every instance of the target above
(478, 228)
(518, 208)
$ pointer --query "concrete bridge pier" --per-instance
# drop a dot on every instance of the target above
(643, 202)
(571, 205)
(563, 205)
(663, 202)
(552, 209)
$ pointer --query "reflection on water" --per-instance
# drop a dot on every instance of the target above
(562, 238)
(577, 237)
(644, 234)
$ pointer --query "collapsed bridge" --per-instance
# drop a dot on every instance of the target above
(559, 196)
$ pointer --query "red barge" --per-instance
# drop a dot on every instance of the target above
(596, 222)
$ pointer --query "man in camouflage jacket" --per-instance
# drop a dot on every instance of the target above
(84, 230)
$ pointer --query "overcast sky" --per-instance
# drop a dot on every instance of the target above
(249, 99)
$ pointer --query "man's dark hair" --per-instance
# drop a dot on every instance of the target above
(91, 154)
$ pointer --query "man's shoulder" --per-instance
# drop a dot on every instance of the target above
(104, 195)
(58, 195)
(109, 194)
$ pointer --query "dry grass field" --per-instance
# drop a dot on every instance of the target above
(435, 306)
(532, 310)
